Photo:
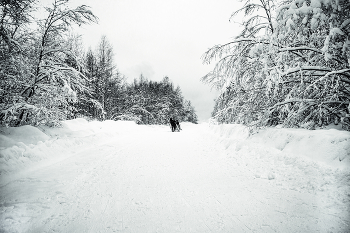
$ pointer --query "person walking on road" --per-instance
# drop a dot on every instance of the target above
(173, 125)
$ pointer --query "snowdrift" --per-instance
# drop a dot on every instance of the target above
(27, 147)
(23, 147)
(328, 146)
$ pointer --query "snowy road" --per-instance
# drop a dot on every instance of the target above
(153, 180)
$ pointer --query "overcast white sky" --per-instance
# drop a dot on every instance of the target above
(164, 38)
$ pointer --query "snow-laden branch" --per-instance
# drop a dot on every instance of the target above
(53, 51)
(309, 101)
(18, 106)
(299, 48)
(345, 23)
(343, 71)
(55, 68)
(319, 69)
(281, 48)
(305, 68)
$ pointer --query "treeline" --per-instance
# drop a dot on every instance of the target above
(151, 102)
(289, 65)
(46, 76)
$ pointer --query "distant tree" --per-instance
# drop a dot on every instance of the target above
(115, 94)
(149, 102)
(106, 83)
(189, 113)
(105, 69)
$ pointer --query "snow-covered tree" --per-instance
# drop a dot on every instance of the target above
(48, 80)
(15, 49)
(189, 112)
(312, 62)
(89, 104)
(289, 65)
(14, 17)
(105, 70)
(106, 83)
(149, 102)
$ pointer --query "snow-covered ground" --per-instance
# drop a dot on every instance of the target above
(122, 177)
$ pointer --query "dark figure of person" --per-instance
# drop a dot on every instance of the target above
(173, 125)
(178, 125)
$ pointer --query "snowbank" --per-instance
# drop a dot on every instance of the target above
(328, 146)
(25, 134)
(24, 147)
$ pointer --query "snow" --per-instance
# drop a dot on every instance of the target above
(335, 31)
(305, 20)
(289, 23)
(68, 91)
(345, 23)
(25, 134)
(305, 9)
(329, 147)
(315, 3)
(121, 177)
